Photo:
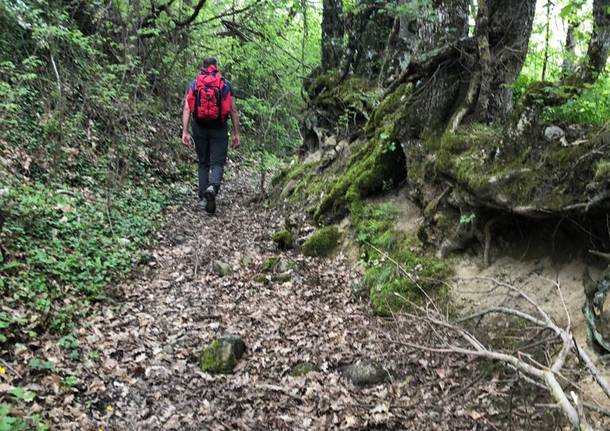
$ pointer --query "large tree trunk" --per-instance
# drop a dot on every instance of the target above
(332, 33)
(435, 94)
(368, 34)
(597, 53)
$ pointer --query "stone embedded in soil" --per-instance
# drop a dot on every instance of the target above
(221, 268)
(303, 368)
(246, 260)
(222, 355)
(365, 372)
(284, 265)
(553, 133)
(278, 265)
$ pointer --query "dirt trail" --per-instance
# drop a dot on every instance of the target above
(145, 373)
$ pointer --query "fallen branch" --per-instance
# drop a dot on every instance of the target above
(546, 376)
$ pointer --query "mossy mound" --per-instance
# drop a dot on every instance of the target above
(379, 166)
(284, 239)
(222, 355)
(262, 278)
(394, 284)
(322, 242)
(399, 269)
(546, 177)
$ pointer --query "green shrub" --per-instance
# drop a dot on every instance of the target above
(322, 242)
(591, 107)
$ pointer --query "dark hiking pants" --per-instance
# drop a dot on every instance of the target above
(211, 143)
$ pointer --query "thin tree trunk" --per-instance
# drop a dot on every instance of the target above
(547, 36)
(569, 51)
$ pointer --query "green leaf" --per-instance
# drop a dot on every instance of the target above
(21, 394)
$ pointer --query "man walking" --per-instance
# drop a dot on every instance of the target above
(210, 101)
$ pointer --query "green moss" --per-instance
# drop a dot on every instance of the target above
(270, 263)
(262, 278)
(391, 108)
(485, 161)
(303, 368)
(602, 170)
(377, 167)
(390, 289)
(284, 239)
(322, 242)
(353, 93)
(212, 360)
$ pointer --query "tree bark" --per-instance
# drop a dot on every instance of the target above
(599, 44)
(332, 33)
(569, 51)
(510, 27)
(436, 94)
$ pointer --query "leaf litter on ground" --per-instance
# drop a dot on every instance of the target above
(133, 363)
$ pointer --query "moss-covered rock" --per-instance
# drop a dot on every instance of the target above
(322, 242)
(222, 355)
(284, 239)
(221, 268)
(303, 368)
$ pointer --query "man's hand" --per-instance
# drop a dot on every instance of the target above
(186, 139)
(236, 141)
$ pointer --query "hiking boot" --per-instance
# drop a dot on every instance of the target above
(210, 197)
(202, 204)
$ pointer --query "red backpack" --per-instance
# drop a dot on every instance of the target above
(209, 98)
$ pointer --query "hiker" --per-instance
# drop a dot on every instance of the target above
(210, 101)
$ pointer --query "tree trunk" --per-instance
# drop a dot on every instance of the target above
(569, 51)
(435, 96)
(510, 27)
(597, 53)
(332, 33)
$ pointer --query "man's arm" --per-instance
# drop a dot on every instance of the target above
(235, 121)
(186, 119)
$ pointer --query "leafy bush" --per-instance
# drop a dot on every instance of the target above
(592, 106)
(61, 244)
